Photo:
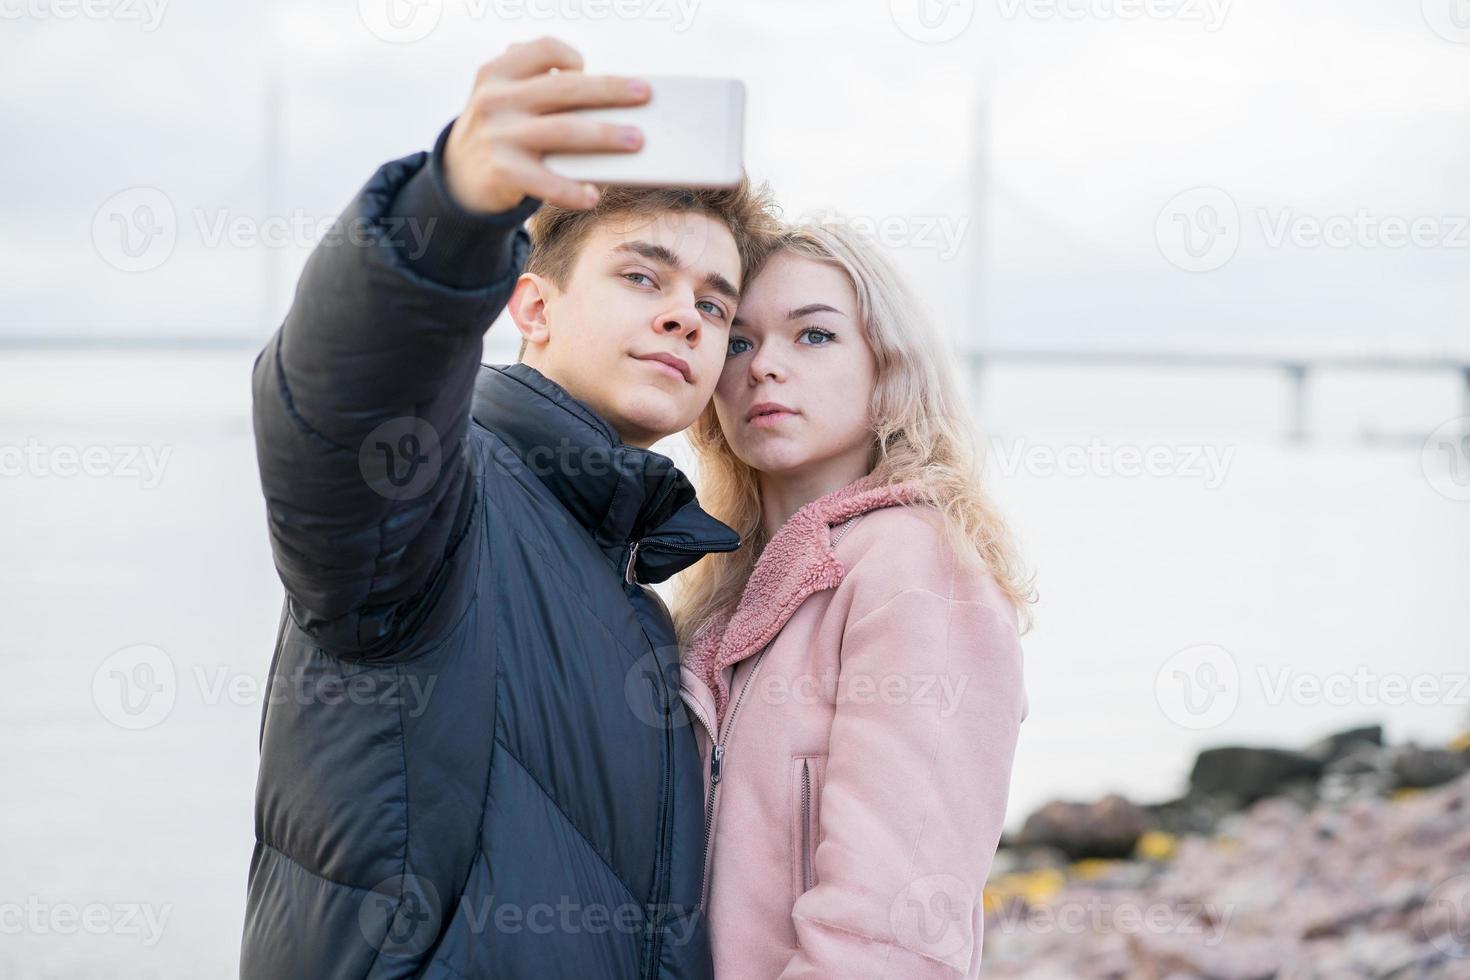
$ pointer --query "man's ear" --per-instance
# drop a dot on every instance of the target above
(527, 308)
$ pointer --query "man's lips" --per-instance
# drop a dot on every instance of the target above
(769, 412)
(677, 363)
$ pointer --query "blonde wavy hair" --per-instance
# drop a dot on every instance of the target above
(924, 432)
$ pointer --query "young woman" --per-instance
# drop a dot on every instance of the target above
(854, 670)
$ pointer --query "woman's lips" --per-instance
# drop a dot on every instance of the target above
(767, 414)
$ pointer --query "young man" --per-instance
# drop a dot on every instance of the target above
(474, 759)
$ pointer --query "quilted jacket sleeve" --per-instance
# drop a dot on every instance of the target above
(361, 405)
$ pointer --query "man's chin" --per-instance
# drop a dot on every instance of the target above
(649, 415)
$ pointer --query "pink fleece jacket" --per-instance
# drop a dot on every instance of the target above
(864, 702)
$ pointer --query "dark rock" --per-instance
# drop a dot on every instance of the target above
(1248, 774)
(1420, 768)
(1338, 744)
(1109, 828)
(1192, 813)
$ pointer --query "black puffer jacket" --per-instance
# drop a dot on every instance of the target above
(474, 760)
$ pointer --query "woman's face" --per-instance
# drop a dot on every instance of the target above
(798, 378)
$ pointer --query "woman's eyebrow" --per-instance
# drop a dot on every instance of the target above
(796, 314)
(811, 308)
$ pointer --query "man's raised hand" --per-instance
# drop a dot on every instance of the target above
(520, 110)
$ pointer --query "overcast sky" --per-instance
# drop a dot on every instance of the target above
(1182, 173)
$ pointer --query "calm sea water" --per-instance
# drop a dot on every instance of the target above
(1337, 568)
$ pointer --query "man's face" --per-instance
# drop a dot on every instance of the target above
(639, 331)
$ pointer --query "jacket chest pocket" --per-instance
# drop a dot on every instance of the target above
(807, 772)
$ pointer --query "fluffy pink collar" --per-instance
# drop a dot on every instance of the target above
(797, 562)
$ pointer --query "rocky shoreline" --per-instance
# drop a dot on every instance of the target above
(1346, 859)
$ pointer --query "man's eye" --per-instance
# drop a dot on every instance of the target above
(822, 336)
(732, 349)
(715, 309)
(631, 276)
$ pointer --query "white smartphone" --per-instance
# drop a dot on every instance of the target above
(693, 136)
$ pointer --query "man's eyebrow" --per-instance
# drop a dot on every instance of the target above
(664, 256)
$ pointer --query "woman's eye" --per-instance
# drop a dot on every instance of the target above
(733, 347)
(821, 336)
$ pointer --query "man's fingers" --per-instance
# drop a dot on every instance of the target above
(541, 183)
(570, 133)
(532, 58)
(574, 90)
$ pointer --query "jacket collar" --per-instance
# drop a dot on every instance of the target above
(797, 562)
(638, 507)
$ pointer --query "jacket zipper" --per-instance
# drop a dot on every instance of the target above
(716, 766)
(806, 824)
(717, 750)
(661, 870)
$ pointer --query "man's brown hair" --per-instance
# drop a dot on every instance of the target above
(749, 211)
